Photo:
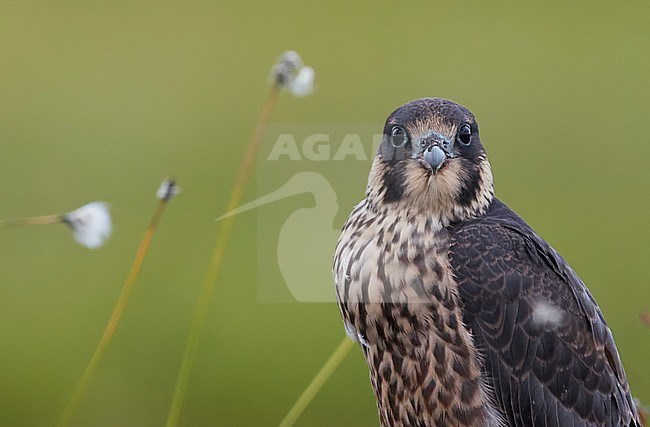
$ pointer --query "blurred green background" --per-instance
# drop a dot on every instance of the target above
(100, 100)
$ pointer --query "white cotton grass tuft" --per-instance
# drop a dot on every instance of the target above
(303, 83)
(168, 189)
(291, 74)
(547, 315)
(285, 68)
(90, 224)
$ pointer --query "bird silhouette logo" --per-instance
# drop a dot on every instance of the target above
(306, 238)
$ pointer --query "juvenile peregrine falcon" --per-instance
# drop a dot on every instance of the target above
(465, 316)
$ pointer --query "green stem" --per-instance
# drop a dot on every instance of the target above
(209, 282)
(113, 322)
(317, 383)
(34, 220)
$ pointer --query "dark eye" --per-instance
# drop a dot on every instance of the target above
(464, 134)
(398, 136)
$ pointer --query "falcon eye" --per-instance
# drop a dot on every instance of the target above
(398, 136)
(464, 134)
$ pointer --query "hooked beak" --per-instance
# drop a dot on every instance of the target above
(434, 158)
(436, 150)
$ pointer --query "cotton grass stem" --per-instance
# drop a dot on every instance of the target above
(116, 316)
(35, 220)
(321, 378)
(90, 224)
(209, 282)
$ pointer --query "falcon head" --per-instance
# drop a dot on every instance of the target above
(431, 162)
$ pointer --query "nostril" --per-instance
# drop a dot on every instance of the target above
(428, 144)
